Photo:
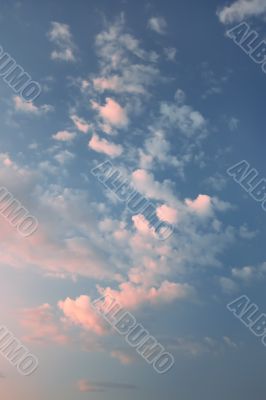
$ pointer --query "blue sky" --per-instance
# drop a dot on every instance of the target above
(159, 90)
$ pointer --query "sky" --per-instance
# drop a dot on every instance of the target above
(162, 93)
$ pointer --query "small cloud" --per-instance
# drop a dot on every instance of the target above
(124, 357)
(233, 124)
(80, 123)
(64, 136)
(228, 285)
(112, 112)
(64, 156)
(157, 24)
(170, 53)
(61, 37)
(86, 386)
(30, 108)
(104, 146)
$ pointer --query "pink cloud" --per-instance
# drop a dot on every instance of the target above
(166, 213)
(112, 112)
(123, 357)
(81, 312)
(131, 297)
(103, 146)
(41, 324)
(80, 123)
(201, 205)
(142, 225)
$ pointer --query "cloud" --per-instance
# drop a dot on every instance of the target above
(132, 78)
(157, 150)
(157, 24)
(123, 356)
(131, 296)
(86, 386)
(60, 35)
(42, 326)
(184, 117)
(64, 156)
(112, 112)
(241, 9)
(81, 312)
(170, 53)
(166, 213)
(104, 146)
(80, 123)
(30, 108)
(145, 183)
(201, 205)
(205, 205)
(199, 347)
(125, 66)
(64, 136)
(249, 273)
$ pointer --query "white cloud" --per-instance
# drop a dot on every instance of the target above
(241, 9)
(64, 156)
(157, 24)
(170, 53)
(61, 37)
(183, 116)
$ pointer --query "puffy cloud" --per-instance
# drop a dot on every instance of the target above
(112, 112)
(60, 35)
(201, 205)
(142, 225)
(64, 136)
(166, 213)
(158, 149)
(146, 185)
(81, 312)
(241, 9)
(131, 296)
(157, 24)
(245, 273)
(250, 273)
(104, 146)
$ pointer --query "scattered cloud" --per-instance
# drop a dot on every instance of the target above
(158, 24)
(60, 35)
(29, 107)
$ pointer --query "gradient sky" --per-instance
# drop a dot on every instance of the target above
(157, 88)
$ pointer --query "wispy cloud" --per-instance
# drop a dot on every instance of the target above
(158, 24)
(60, 35)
